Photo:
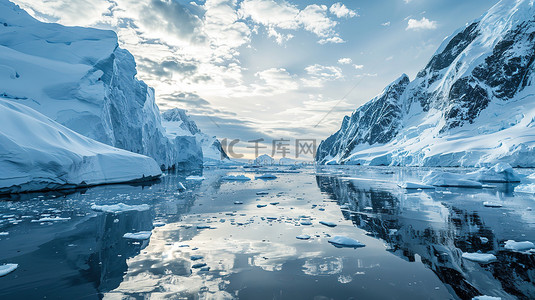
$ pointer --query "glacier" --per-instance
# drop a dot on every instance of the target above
(82, 79)
(38, 154)
(472, 104)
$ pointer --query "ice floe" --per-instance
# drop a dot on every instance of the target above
(142, 235)
(7, 268)
(480, 257)
(119, 208)
(344, 241)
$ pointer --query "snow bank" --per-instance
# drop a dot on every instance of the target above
(7, 268)
(480, 257)
(343, 241)
(37, 153)
(119, 208)
(445, 179)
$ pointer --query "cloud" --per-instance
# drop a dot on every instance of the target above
(422, 24)
(345, 61)
(386, 24)
(358, 67)
(275, 81)
(318, 74)
(282, 15)
(341, 11)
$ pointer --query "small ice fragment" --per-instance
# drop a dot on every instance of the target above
(48, 219)
(236, 178)
(415, 186)
(238, 202)
(329, 224)
(303, 237)
(181, 187)
(483, 240)
(492, 204)
(198, 266)
(119, 208)
(518, 246)
(7, 268)
(266, 176)
(479, 257)
(196, 257)
(343, 241)
(142, 235)
(262, 193)
(4, 233)
(193, 177)
(274, 203)
(205, 269)
(158, 224)
(261, 205)
(485, 297)
(203, 227)
(305, 222)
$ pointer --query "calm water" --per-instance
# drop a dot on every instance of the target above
(414, 240)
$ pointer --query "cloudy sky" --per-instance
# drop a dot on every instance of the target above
(271, 69)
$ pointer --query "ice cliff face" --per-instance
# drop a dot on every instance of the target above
(80, 78)
(471, 105)
(178, 125)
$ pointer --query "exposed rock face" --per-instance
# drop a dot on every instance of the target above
(80, 78)
(469, 106)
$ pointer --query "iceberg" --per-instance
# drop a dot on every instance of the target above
(500, 173)
(415, 186)
(119, 208)
(445, 179)
(519, 246)
(38, 154)
(142, 235)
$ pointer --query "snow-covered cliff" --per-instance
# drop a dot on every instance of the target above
(80, 78)
(37, 153)
(178, 125)
(471, 105)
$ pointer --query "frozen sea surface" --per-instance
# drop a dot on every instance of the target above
(204, 246)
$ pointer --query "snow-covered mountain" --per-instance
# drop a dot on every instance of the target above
(178, 125)
(80, 78)
(37, 153)
(471, 105)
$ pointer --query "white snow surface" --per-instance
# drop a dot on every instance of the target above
(80, 78)
(480, 257)
(119, 208)
(7, 268)
(528, 188)
(37, 153)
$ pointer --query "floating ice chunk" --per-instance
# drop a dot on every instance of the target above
(485, 297)
(274, 203)
(48, 219)
(492, 204)
(266, 176)
(119, 208)
(261, 205)
(518, 246)
(205, 269)
(445, 179)
(526, 188)
(483, 240)
(181, 187)
(305, 222)
(303, 237)
(343, 241)
(329, 224)
(414, 186)
(158, 224)
(238, 202)
(142, 235)
(344, 206)
(198, 266)
(193, 177)
(480, 257)
(204, 227)
(196, 257)
(501, 172)
(262, 193)
(4, 233)
(7, 268)
(236, 178)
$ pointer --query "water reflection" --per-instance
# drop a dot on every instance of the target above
(437, 227)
